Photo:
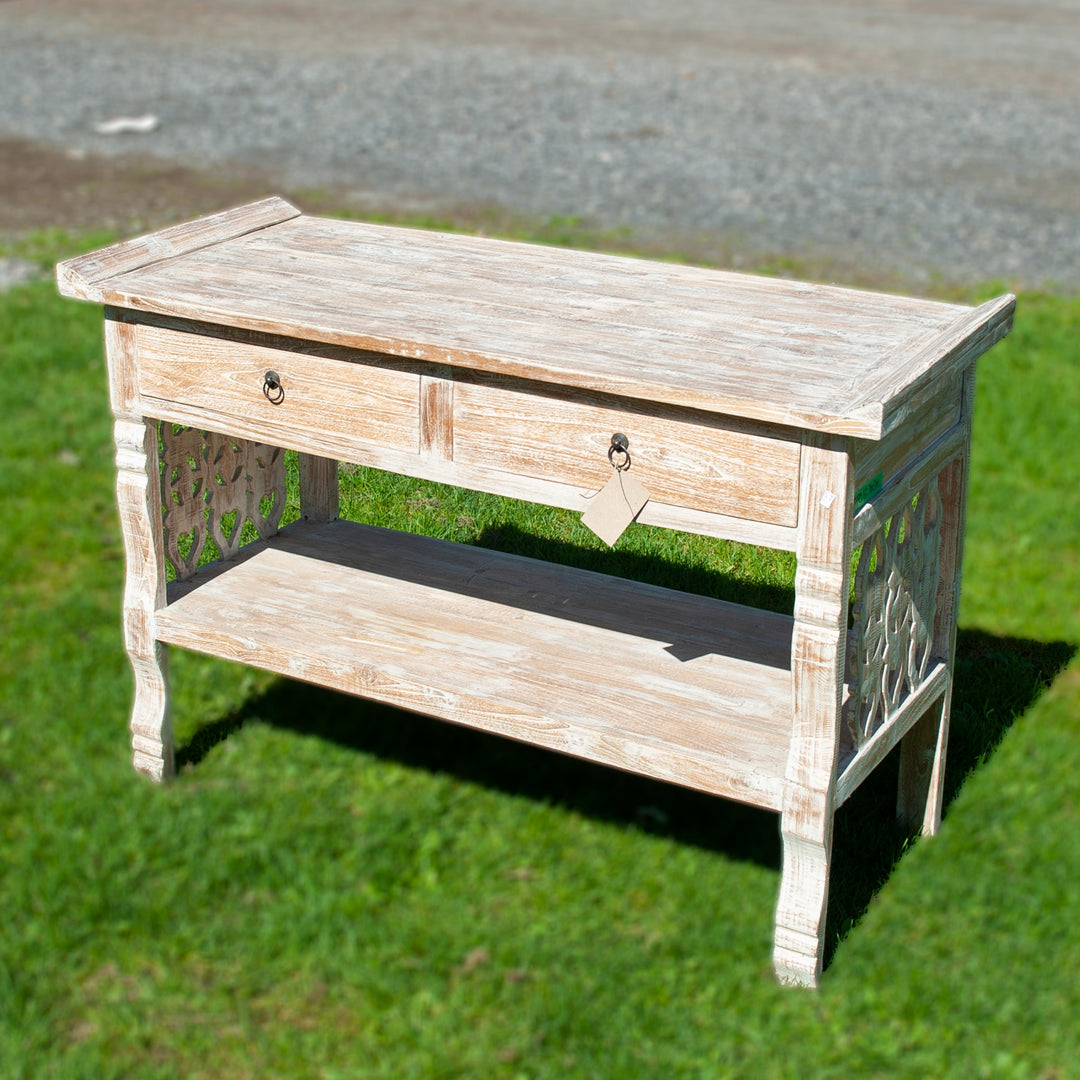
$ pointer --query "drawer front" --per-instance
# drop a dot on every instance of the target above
(683, 459)
(331, 400)
(930, 414)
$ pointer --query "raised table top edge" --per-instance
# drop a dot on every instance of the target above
(84, 277)
(869, 405)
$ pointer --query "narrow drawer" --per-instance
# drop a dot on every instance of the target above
(931, 413)
(683, 458)
(330, 400)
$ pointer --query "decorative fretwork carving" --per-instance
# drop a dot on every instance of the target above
(890, 643)
(210, 485)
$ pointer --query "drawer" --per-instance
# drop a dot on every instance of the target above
(683, 458)
(334, 401)
(931, 412)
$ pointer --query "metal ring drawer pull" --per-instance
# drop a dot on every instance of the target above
(272, 388)
(620, 444)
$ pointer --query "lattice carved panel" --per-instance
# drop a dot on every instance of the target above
(890, 643)
(210, 486)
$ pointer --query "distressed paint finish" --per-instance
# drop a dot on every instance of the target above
(922, 752)
(206, 381)
(211, 485)
(82, 277)
(755, 407)
(807, 356)
(318, 488)
(891, 643)
(144, 594)
(682, 688)
(817, 664)
(139, 503)
(683, 458)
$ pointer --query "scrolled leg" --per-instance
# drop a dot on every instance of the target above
(139, 501)
(801, 909)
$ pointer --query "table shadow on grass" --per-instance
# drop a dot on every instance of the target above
(736, 830)
(997, 680)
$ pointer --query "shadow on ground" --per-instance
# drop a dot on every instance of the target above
(997, 680)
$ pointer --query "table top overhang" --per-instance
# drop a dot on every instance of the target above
(814, 357)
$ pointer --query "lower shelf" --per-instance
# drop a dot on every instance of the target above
(679, 687)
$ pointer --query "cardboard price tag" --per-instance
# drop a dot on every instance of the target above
(617, 503)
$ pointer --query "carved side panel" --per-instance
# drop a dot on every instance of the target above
(210, 486)
(891, 640)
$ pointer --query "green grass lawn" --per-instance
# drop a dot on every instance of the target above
(332, 889)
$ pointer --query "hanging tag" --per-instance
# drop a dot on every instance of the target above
(618, 502)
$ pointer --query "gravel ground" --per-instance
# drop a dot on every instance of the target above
(932, 141)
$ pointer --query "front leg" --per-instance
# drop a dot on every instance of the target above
(817, 667)
(138, 490)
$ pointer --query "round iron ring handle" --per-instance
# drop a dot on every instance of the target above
(620, 444)
(273, 391)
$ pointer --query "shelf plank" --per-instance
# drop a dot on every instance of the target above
(683, 688)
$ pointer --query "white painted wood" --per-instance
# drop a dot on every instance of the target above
(926, 464)
(144, 595)
(375, 402)
(920, 704)
(933, 411)
(890, 645)
(923, 750)
(318, 488)
(817, 655)
(755, 408)
(121, 354)
(920, 787)
(675, 686)
(954, 350)
(81, 277)
(682, 459)
(346, 447)
(139, 505)
(807, 356)
(375, 410)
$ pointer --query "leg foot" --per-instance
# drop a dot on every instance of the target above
(922, 768)
(151, 721)
(799, 948)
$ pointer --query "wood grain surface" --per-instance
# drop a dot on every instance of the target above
(810, 356)
(755, 410)
(80, 277)
(683, 458)
(681, 687)
(208, 381)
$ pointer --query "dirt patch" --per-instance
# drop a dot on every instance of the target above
(43, 187)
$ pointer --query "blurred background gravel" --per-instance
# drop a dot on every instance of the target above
(933, 141)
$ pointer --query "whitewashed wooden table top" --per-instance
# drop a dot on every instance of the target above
(811, 356)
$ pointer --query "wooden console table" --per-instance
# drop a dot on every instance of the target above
(807, 418)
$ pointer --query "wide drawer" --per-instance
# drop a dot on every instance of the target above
(332, 400)
(684, 458)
